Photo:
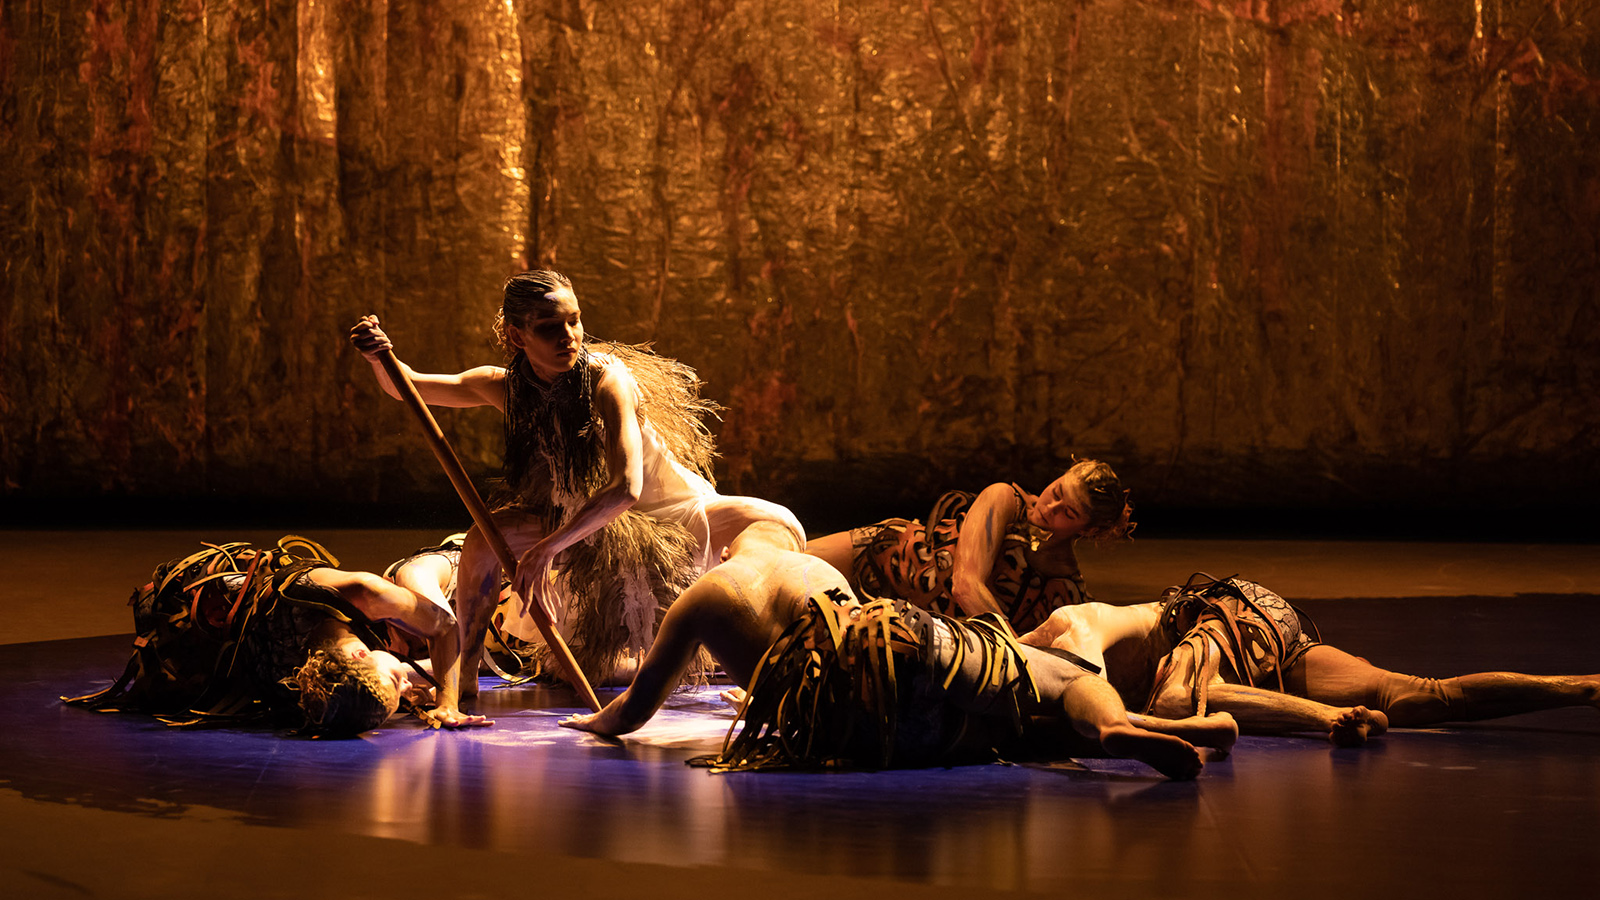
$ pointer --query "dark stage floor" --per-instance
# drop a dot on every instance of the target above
(119, 806)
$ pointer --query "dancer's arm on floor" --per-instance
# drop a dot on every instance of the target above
(429, 576)
(978, 548)
(480, 386)
(703, 606)
(616, 401)
(384, 601)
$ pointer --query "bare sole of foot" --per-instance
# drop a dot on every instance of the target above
(1353, 726)
(1172, 756)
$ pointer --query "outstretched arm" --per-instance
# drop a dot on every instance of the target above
(481, 386)
(978, 548)
(616, 401)
(384, 601)
(682, 631)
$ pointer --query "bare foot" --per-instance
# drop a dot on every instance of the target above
(1217, 731)
(582, 722)
(1172, 756)
(1351, 727)
(602, 723)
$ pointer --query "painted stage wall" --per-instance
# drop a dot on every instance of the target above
(1251, 253)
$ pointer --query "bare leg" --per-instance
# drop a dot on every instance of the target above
(1331, 675)
(1261, 711)
(477, 593)
(1217, 731)
(1095, 710)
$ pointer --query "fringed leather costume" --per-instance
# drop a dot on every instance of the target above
(888, 686)
(219, 630)
(910, 560)
(1236, 628)
(617, 583)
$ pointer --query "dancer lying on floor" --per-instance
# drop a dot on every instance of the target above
(607, 468)
(1003, 551)
(237, 633)
(1235, 646)
(838, 683)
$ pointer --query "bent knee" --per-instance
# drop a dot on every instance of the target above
(1175, 701)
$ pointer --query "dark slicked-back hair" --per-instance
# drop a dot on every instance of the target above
(524, 293)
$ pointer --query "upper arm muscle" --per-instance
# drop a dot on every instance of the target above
(978, 543)
(616, 399)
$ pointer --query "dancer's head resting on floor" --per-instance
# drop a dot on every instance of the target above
(1086, 502)
(343, 694)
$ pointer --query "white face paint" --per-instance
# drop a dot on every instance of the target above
(551, 336)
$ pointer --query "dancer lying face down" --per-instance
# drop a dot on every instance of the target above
(1179, 656)
(833, 682)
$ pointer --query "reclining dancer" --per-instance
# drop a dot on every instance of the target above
(1002, 550)
(237, 633)
(1233, 645)
(880, 685)
(607, 467)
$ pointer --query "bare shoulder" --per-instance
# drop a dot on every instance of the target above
(615, 381)
(1006, 499)
(611, 368)
(992, 511)
(1063, 622)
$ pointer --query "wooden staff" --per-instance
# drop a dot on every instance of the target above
(480, 515)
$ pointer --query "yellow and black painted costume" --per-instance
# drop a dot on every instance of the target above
(877, 686)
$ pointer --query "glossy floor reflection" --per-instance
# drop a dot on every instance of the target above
(1468, 811)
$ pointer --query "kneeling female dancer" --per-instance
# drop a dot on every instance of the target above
(832, 682)
(607, 466)
(234, 632)
(1004, 551)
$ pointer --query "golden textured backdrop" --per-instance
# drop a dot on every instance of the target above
(1253, 252)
